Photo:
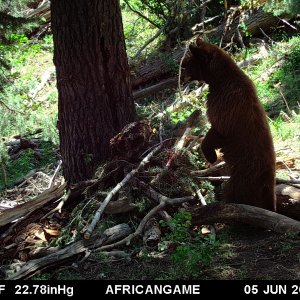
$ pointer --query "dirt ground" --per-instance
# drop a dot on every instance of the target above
(245, 252)
(251, 254)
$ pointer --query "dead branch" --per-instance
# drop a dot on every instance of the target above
(51, 182)
(180, 69)
(9, 215)
(288, 23)
(11, 109)
(210, 170)
(23, 179)
(256, 20)
(289, 191)
(46, 77)
(214, 178)
(230, 213)
(151, 194)
(121, 184)
(140, 14)
(33, 175)
(168, 83)
(178, 149)
(288, 181)
(42, 11)
(57, 258)
(163, 202)
(139, 52)
(201, 197)
(120, 206)
(59, 206)
(152, 233)
(199, 25)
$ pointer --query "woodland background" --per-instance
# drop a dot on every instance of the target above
(157, 198)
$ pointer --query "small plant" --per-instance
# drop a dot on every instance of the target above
(192, 250)
(180, 224)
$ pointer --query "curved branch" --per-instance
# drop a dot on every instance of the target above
(230, 213)
(141, 15)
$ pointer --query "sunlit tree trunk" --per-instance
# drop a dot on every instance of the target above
(93, 81)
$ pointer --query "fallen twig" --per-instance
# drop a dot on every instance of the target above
(9, 215)
(151, 194)
(78, 248)
(45, 78)
(121, 184)
(210, 170)
(11, 109)
(225, 178)
(201, 197)
(291, 181)
(214, 178)
(58, 208)
(163, 202)
(180, 67)
(132, 60)
(164, 84)
(26, 177)
(287, 23)
(55, 174)
(178, 149)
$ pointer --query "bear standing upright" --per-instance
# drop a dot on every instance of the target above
(239, 126)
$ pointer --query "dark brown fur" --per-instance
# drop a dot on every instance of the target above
(238, 126)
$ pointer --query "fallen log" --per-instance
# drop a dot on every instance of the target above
(168, 83)
(120, 206)
(152, 233)
(288, 200)
(253, 23)
(288, 191)
(42, 11)
(9, 215)
(156, 67)
(57, 258)
(232, 213)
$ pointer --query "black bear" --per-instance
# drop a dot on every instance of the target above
(239, 126)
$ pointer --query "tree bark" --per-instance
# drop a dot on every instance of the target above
(93, 81)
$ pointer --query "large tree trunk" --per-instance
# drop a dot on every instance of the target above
(93, 81)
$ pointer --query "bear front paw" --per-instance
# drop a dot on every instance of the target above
(211, 156)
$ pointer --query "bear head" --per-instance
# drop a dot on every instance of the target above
(201, 63)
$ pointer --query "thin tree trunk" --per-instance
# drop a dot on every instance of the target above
(93, 80)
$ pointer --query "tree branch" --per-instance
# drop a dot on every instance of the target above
(141, 15)
(121, 184)
(219, 213)
(132, 60)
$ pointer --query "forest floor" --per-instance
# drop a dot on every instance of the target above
(251, 253)
(236, 252)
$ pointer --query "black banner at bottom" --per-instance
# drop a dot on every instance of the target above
(210, 288)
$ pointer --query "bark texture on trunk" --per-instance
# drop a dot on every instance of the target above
(93, 81)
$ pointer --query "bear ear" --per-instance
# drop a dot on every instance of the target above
(199, 41)
(195, 50)
(199, 53)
